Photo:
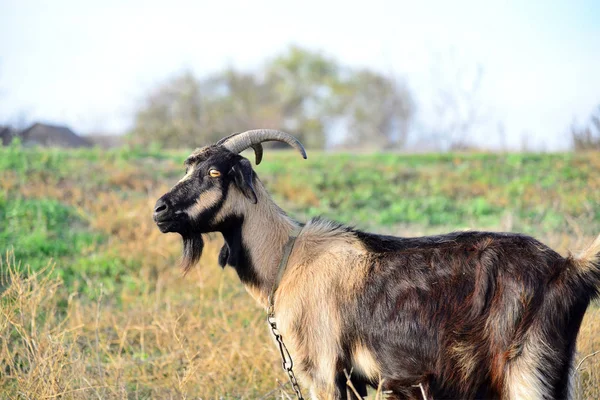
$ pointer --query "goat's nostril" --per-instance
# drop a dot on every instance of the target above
(162, 214)
(160, 207)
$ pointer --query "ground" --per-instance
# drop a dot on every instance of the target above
(93, 305)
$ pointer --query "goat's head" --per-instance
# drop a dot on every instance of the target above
(196, 204)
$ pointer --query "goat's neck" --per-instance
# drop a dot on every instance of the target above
(256, 244)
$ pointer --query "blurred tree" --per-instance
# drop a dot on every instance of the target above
(587, 137)
(186, 111)
(303, 83)
(235, 101)
(300, 91)
(377, 110)
(171, 114)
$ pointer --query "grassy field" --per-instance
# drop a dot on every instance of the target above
(92, 304)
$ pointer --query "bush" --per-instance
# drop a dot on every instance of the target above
(587, 137)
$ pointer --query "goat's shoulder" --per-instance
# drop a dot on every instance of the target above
(321, 230)
(323, 238)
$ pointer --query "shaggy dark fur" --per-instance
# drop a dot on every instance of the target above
(452, 311)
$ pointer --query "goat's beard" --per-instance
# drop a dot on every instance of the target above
(192, 250)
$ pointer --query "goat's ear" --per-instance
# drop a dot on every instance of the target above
(243, 175)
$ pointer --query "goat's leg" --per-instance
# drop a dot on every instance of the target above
(340, 390)
(524, 380)
(361, 388)
(347, 392)
(332, 393)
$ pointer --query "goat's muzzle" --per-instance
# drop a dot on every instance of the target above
(163, 216)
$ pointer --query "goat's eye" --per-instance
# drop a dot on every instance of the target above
(214, 173)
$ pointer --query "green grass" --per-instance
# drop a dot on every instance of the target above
(41, 229)
(540, 191)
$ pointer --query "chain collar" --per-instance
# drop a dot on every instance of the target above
(287, 362)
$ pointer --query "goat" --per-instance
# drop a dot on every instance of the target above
(464, 315)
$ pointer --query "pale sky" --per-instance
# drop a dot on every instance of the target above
(88, 64)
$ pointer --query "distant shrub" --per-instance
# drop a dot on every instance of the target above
(587, 137)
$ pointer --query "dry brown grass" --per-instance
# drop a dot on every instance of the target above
(192, 336)
(587, 375)
(163, 336)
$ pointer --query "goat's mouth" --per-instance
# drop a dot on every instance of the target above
(165, 226)
(168, 224)
(177, 222)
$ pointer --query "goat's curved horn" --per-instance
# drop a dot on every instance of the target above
(239, 142)
(258, 149)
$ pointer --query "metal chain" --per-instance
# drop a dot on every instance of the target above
(287, 362)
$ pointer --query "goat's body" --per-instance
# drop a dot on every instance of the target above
(467, 315)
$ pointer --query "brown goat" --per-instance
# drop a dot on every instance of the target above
(467, 315)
